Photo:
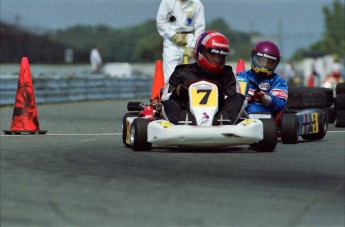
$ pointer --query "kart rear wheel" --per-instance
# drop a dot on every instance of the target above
(124, 127)
(289, 128)
(139, 135)
(135, 106)
(323, 125)
(269, 142)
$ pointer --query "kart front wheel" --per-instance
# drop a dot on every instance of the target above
(289, 128)
(138, 135)
(125, 127)
(269, 142)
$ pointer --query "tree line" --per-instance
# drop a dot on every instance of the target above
(142, 43)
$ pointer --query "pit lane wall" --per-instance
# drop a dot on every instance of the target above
(57, 89)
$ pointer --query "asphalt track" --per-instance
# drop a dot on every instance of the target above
(80, 174)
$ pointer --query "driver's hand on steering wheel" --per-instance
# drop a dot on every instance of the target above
(181, 91)
(262, 97)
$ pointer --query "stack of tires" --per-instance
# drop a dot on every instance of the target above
(339, 105)
(310, 97)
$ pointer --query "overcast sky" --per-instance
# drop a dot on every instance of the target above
(299, 22)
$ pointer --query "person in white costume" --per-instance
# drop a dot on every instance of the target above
(179, 23)
(95, 60)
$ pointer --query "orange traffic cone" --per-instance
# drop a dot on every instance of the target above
(158, 80)
(240, 66)
(25, 119)
(311, 80)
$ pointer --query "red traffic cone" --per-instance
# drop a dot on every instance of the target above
(158, 80)
(25, 119)
(240, 66)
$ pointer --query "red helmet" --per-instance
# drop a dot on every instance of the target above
(265, 58)
(215, 43)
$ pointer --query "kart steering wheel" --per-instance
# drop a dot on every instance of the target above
(256, 88)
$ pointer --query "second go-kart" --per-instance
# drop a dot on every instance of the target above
(305, 115)
(145, 127)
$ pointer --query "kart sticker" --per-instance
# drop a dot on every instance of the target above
(310, 123)
(165, 124)
(315, 123)
(243, 86)
(247, 122)
(128, 130)
(205, 119)
(260, 116)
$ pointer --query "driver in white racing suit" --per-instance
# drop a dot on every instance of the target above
(179, 23)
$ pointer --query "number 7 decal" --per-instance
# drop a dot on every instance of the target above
(203, 101)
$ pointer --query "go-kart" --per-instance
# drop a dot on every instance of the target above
(304, 116)
(144, 126)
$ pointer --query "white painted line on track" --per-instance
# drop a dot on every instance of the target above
(70, 134)
(335, 131)
(87, 134)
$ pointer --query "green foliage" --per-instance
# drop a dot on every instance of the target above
(240, 46)
(148, 49)
(332, 42)
(140, 43)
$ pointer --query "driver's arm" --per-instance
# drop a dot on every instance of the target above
(279, 95)
(176, 88)
(230, 85)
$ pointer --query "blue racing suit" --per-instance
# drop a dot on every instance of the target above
(273, 85)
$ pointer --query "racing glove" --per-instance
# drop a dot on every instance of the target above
(262, 97)
(189, 52)
(181, 92)
(179, 39)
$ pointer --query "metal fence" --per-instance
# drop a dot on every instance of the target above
(57, 89)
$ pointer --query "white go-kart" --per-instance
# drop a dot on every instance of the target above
(144, 127)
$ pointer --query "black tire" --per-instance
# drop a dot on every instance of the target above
(139, 134)
(323, 126)
(305, 97)
(339, 103)
(124, 129)
(269, 142)
(340, 88)
(135, 106)
(329, 95)
(340, 119)
(331, 114)
(289, 128)
(328, 91)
